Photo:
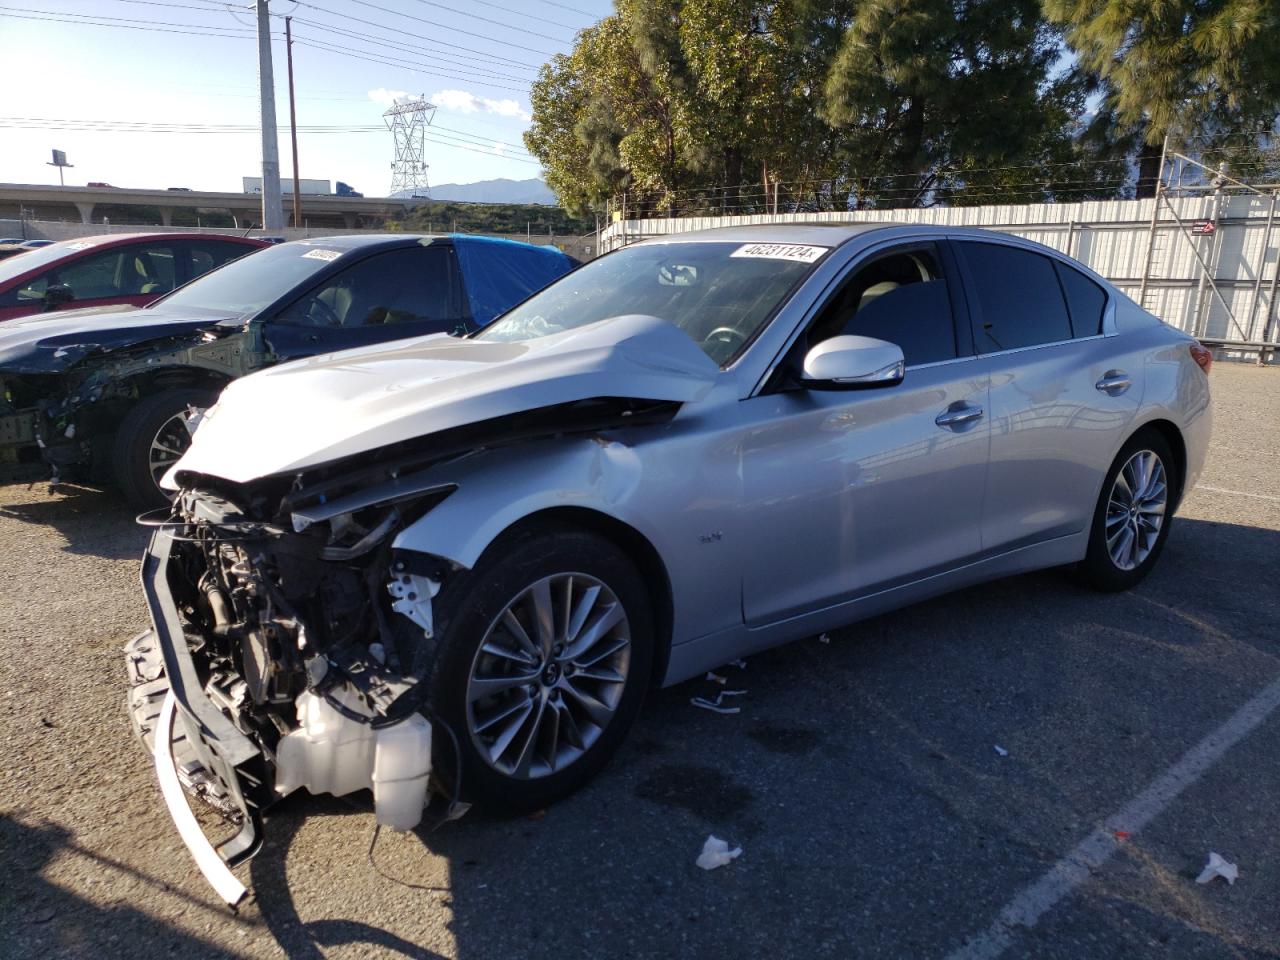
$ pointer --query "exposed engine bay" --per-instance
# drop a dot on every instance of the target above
(312, 644)
(283, 608)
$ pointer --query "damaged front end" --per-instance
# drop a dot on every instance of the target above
(63, 396)
(285, 659)
(293, 640)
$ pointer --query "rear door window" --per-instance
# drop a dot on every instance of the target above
(150, 269)
(1019, 302)
(1085, 300)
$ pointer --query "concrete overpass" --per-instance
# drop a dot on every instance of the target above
(39, 202)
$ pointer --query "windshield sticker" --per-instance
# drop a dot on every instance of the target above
(325, 255)
(781, 251)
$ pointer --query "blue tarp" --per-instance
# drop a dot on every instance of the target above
(501, 273)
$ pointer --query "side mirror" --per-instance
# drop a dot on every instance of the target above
(852, 363)
(57, 295)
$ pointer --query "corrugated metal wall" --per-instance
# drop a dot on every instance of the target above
(1114, 238)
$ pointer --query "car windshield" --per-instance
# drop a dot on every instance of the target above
(247, 285)
(720, 294)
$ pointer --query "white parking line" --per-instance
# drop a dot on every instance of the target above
(1026, 909)
(1238, 493)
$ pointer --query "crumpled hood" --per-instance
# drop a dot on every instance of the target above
(53, 342)
(314, 411)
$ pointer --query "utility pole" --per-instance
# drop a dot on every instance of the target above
(272, 213)
(293, 122)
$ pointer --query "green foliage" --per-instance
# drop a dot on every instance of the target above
(880, 103)
(511, 218)
(1201, 70)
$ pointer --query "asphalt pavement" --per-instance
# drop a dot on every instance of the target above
(862, 779)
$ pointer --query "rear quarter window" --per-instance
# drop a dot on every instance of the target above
(1085, 300)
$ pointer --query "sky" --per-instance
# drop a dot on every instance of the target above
(118, 85)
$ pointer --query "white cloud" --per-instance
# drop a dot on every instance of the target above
(499, 148)
(460, 101)
(387, 97)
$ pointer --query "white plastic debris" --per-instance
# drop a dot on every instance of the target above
(823, 638)
(716, 853)
(714, 705)
(1217, 867)
(1001, 750)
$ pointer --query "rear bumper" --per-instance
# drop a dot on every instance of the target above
(193, 742)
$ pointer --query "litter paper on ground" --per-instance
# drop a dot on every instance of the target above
(716, 853)
(1218, 867)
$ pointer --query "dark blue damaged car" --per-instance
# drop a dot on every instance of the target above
(111, 396)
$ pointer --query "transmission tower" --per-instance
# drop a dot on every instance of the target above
(408, 120)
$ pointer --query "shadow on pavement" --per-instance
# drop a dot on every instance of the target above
(39, 918)
(91, 522)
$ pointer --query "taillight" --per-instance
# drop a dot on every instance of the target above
(1202, 355)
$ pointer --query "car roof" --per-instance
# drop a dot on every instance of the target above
(365, 241)
(103, 239)
(819, 234)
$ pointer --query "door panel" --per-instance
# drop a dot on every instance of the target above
(1059, 406)
(847, 492)
(1053, 435)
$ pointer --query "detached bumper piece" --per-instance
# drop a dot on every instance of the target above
(192, 741)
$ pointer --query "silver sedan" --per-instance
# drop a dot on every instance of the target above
(686, 451)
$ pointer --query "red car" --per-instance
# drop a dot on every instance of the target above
(131, 269)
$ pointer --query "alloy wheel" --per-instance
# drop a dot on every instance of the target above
(1136, 509)
(548, 676)
(171, 441)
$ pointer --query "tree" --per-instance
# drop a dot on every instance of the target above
(683, 103)
(1204, 71)
(573, 134)
(937, 97)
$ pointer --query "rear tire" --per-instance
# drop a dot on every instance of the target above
(151, 438)
(573, 721)
(1134, 512)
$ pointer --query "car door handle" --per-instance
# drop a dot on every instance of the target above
(954, 418)
(1114, 382)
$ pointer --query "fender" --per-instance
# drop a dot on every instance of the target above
(496, 489)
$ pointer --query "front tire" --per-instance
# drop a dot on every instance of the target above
(1134, 512)
(546, 652)
(151, 438)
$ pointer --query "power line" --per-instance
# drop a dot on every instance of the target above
(427, 40)
(432, 23)
(527, 16)
(565, 6)
(147, 25)
(213, 8)
(404, 48)
(448, 136)
(503, 143)
(497, 23)
(390, 61)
